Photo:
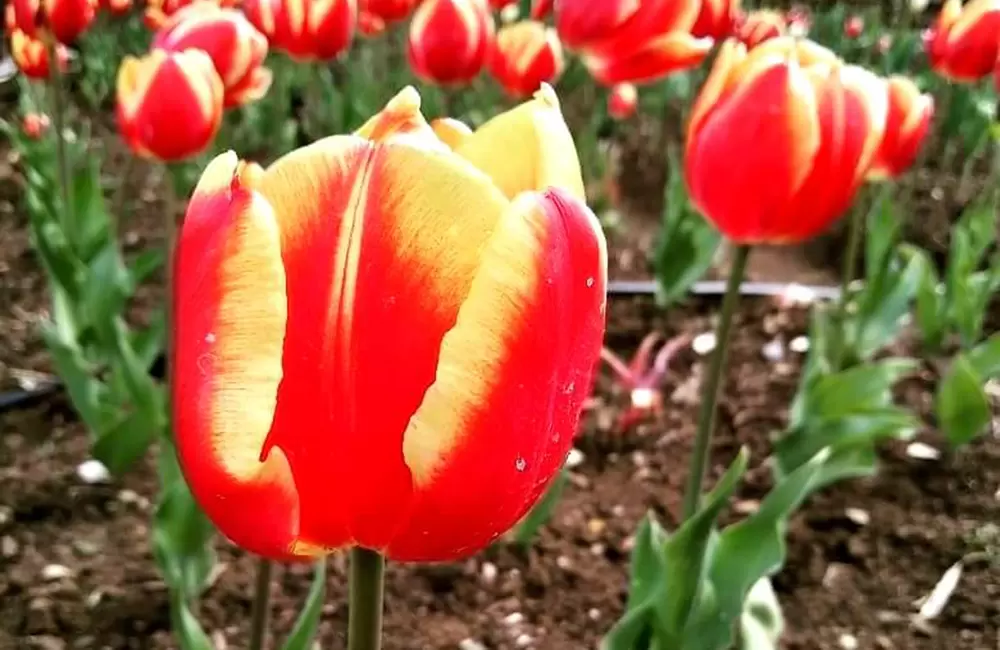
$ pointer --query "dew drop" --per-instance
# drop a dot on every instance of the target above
(590, 282)
(210, 338)
(520, 464)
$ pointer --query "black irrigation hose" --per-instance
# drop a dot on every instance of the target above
(17, 399)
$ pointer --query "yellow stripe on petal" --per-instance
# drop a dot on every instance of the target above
(527, 148)
(473, 351)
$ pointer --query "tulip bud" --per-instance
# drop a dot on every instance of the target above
(622, 101)
(35, 125)
(780, 139)
(116, 7)
(450, 40)
(169, 103)
(581, 23)
(653, 41)
(908, 120)
(158, 11)
(760, 26)
(717, 19)
(540, 9)
(305, 29)
(284, 429)
(963, 44)
(388, 11)
(24, 15)
(884, 44)
(854, 26)
(526, 55)
(235, 46)
(799, 21)
(32, 57)
(64, 19)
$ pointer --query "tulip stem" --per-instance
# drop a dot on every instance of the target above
(366, 584)
(712, 382)
(259, 613)
(59, 122)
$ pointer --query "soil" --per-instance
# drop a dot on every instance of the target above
(846, 584)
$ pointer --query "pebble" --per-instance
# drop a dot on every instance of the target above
(46, 642)
(131, 497)
(575, 458)
(799, 344)
(563, 562)
(618, 510)
(596, 526)
(514, 618)
(8, 546)
(922, 451)
(522, 641)
(594, 614)
(597, 549)
(703, 343)
(848, 641)
(858, 516)
(470, 644)
(85, 547)
(6, 515)
(92, 472)
(489, 572)
(56, 572)
(773, 350)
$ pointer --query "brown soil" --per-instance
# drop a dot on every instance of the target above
(842, 579)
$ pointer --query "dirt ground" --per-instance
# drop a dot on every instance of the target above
(76, 569)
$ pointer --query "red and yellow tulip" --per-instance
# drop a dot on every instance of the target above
(235, 46)
(758, 26)
(540, 9)
(631, 41)
(450, 40)
(34, 125)
(908, 120)
(387, 11)
(382, 342)
(526, 55)
(305, 29)
(622, 101)
(964, 43)
(854, 26)
(32, 57)
(169, 103)
(717, 19)
(780, 139)
(65, 20)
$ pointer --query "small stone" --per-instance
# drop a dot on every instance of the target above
(85, 547)
(848, 641)
(639, 459)
(56, 572)
(800, 344)
(575, 458)
(514, 618)
(522, 641)
(596, 526)
(219, 640)
(618, 510)
(703, 343)
(131, 497)
(563, 562)
(835, 573)
(9, 546)
(594, 614)
(922, 451)
(858, 516)
(489, 572)
(746, 506)
(773, 350)
(92, 472)
(94, 598)
(470, 644)
(6, 515)
(46, 642)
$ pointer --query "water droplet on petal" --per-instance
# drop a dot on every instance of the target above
(520, 464)
(590, 282)
(210, 338)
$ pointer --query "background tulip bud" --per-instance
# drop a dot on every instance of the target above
(963, 44)
(581, 23)
(908, 120)
(526, 55)
(305, 29)
(35, 125)
(235, 46)
(116, 7)
(854, 26)
(540, 9)
(622, 101)
(67, 19)
(24, 15)
(780, 139)
(760, 26)
(716, 19)
(169, 103)
(32, 57)
(388, 11)
(449, 40)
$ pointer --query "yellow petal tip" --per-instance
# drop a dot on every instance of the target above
(547, 95)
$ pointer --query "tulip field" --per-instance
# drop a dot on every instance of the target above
(499, 325)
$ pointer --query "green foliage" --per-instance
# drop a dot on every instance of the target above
(542, 512)
(101, 50)
(304, 632)
(688, 242)
(957, 306)
(962, 405)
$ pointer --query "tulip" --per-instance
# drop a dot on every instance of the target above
(32, 57)
(377, 346)
(884, 44)
(540, 9)
(497, 5)
(235, 46)
(780, 139)
(116, 7)
(305, 29)
(759, 26)
(854, 26)
(169, 103)
(388, 11)
(631, 41)
(64, 19)
(158, 11)
(450, 40)
(526, 55)
(799, 21)
(717, 19)
(622, 101)
(35, 125)
(450, 131)
(964, 43)
(907, 122)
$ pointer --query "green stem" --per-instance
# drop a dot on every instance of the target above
(261, 599)
(855, 228)
(59, 124)
(712, 383)
(367, 582)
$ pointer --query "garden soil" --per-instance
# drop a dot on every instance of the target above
(76, 570)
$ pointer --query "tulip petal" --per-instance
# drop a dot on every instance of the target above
(229, 327)
(501, 414)
(762, 140)
(373, 236)
(450, 131)
(654, 60)
(527, 148)
(401, 121)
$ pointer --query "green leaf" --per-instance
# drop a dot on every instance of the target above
(148, 343)
(542, 512)
(91, 227)
(84, 389)
(985, 357)
(883, 314)
(930, 299)
(121, 445)
(187, 629)
(962, 406)
(861, 387)
(304, 631)
(145, 264)
(761, 623)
